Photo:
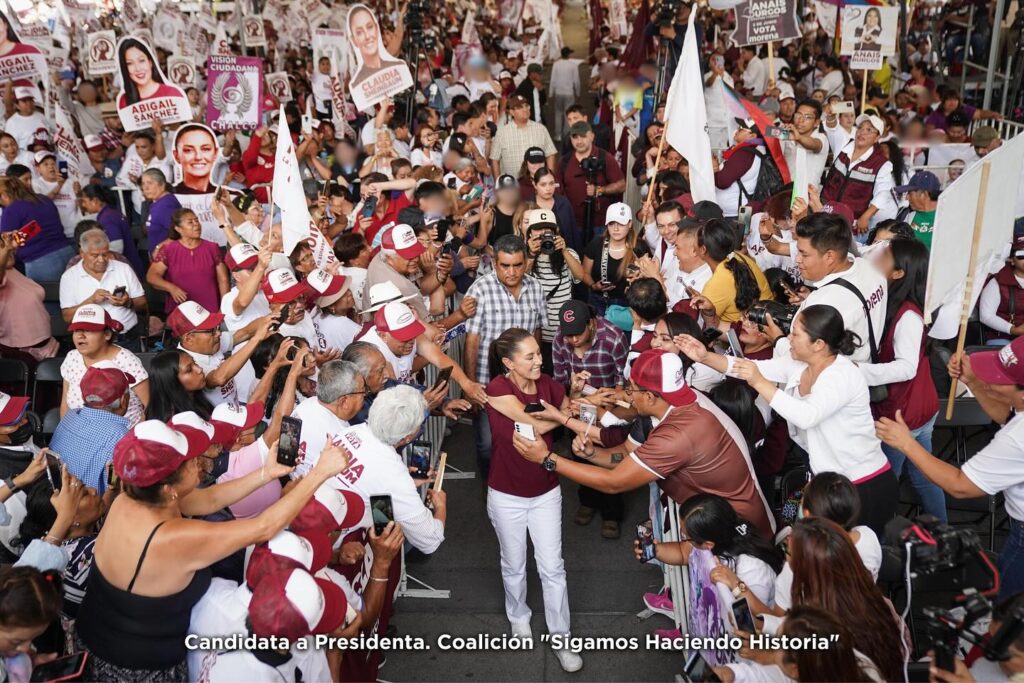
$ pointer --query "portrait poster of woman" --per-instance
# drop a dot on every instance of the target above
(869, 34)
(19, 61)
(376, 74)
(146, 93)
(196, 151)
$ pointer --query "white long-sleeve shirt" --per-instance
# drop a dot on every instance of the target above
(833, 422)
(988, 305)
(565, 77)
(837, 136)
(907, 351)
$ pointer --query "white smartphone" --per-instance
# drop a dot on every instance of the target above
(842, 108)
(525, 430)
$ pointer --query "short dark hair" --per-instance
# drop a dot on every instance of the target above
(669, 207)
(647, 298)
(827, 232)
(510, 244)
(430, 188)
(459, 119)
(349, 245)
(575, 109)
(374, 178)
(813, 104)
(17, 170)
(459, 100)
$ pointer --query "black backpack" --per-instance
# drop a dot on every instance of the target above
(769, 180)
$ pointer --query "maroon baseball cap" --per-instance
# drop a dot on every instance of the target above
(190, 316)
(328, 510)
(153, 451)
(1001, 367)
(280, 286)
(12, 409)
(101, 385)
(839, 208)
(232, 420)
(94, 318)
(293, 604)
(242, 256)
(662, 372)
(287, 549)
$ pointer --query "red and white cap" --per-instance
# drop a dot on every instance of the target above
(242, 256)
(23, 93)
(93, 318)
(1001, 367)
(329, 510)
(287, 549)
(42, 155)
(219, 434)
(190, 316)
(399, 321)
(328, 288)
(280, 286)
(235, 419)
(153, 451)
(12, 409)
(91, 142)
(293, 604)
(660, 371)
(402, 239)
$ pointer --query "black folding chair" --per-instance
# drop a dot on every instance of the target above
(14, 374)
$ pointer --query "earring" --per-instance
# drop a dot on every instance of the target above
(174, 495)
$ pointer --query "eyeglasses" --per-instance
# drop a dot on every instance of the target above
(804, 117)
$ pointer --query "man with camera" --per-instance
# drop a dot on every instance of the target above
(590, 178)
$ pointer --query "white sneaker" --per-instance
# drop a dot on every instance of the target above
(570, 661)
(522, 631)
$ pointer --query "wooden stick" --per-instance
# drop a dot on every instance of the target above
(965, 310)
(440, 471)
(771, 65)
(864, 92)
(657, 163)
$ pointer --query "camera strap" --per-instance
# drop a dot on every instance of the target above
(846, 284)
(604, 265)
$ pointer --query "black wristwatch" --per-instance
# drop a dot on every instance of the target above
(549, 463)
(9, 483)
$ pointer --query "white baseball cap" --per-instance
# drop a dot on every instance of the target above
(92, 142)
(399, 321)
(241, 257)
(875, 122)
(384, 293)
(328, 510)
(280, 286)
(42, 155)
(537, 217)
(619, 213)
(22, 93)
(215, 433)
(786, 92)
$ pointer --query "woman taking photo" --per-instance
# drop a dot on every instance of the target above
(151, 560)
(523, 499)
(608, 258)
(824, 398)
(46, 253)
(188, 267)
(545, 182)
(556, 271)
(177, 387)
(95, 199)
(736, 281)
(903, 366)
(92, 332)
(30, 601)
(427, 149)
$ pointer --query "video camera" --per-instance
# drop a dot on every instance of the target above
(666, 15)
(591, 166)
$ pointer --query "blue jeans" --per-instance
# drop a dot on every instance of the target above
(933, 500)
(482, 435)
(1011, 562)
(49, 267)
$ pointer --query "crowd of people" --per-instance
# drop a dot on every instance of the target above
(514, 247)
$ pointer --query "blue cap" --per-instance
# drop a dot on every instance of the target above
(922, 180)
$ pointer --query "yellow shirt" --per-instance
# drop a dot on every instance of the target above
(721, 289)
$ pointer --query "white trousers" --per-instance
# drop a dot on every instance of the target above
(513, 517)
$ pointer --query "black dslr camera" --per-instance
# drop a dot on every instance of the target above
(547, 242)
(782, 315)
(592, 166)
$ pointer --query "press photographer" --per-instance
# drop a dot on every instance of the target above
(591, 179)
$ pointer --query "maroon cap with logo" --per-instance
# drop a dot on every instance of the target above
(663, 372)
(101, 386)
(293, 604)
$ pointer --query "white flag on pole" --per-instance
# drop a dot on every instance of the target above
(800, 179)
(287, 193)
(687, 118)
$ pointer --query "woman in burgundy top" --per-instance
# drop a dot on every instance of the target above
(524, 498)
(188, 267)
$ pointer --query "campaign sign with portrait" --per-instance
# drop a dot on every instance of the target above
(279, 87)
(234, 91)
(196, 151)
(102, 52)
(376, 75)
(182, 71)
(765, 21)
(253, 34)
(869, 33)
(18, 59)
(146, 93)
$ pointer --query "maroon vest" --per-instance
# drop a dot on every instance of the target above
(1011, 302)
(854, 185)
(916, 397)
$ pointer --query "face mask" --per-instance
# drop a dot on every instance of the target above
(22, 436)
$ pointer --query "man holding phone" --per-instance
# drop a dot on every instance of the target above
(101, 279)
(805, 133)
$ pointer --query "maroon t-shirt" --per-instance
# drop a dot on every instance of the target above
(511, 473)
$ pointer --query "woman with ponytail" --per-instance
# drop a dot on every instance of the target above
(736, 281)
(824, 397)
(30, 600)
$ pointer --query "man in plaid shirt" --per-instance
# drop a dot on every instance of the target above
(592, 345)
(505, 298)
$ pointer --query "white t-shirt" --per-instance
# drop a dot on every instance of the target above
(309, 329)
(1000, 467)
(338, 331)
(755, 77)
(23, 128)
(319, 425)
(134, 166)
(23, 157)
(257, 308)
(430, 157)
(869, 549)
(766, 259)
(815, 160)
(65, 201)
(832, 83)
(237, 388)
(402, 367)
(76, 286)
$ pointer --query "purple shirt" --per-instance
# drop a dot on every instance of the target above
(939, 120)
(50, 239)
(158, 224)
(117, 228)
(194, 270)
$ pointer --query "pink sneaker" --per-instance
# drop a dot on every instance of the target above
(659, 602)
